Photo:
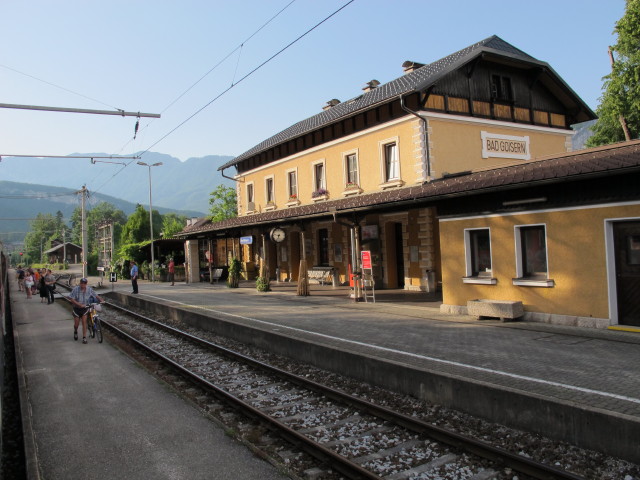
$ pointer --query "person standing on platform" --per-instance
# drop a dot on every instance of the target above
(28, 282)
(20, 276)
(44, 291)
(134, 276)
(50, 281)
(172, 271)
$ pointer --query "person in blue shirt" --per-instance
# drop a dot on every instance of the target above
(81, 296)
(134, 276)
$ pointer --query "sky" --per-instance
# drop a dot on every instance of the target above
(194, 62)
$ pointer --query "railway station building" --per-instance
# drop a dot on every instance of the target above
(426, 172)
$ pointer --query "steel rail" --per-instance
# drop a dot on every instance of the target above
(340, 463)
(517, 462)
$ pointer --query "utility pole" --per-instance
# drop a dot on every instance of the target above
(84, 192)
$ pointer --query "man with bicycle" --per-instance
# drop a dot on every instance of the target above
(81, 296)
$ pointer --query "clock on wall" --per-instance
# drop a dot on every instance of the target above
(277, 235)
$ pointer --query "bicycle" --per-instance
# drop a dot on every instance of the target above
(94, 325)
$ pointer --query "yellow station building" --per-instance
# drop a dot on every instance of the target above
(377, 173)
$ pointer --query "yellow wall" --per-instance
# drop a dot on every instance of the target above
(369, 160)
(456, 146)
(576, 260)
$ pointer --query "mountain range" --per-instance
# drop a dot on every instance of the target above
(29, 186)
(175, 184)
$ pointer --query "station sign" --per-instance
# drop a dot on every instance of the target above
(246, 240)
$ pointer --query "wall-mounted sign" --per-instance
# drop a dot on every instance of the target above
(369, 232)
(246, 240)
(505, 146)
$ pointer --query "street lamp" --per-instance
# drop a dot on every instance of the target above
(153, 275)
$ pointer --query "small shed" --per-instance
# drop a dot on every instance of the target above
(56, 254)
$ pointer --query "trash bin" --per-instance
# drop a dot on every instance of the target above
(335, 278)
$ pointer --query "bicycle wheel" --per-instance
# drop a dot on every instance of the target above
(97, 325)
(91, 327)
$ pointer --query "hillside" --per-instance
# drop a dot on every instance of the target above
(176, 185)
(13, 204)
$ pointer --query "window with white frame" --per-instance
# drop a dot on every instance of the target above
(250, 200)
(319, 177)
(268, 190)
(391, 162)
(478, 252)
(351, 170)
(292, 184)
(531, 255)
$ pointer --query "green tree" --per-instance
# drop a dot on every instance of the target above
(621, 87)
(172, 223)
(137, 229)
(104, 212)
(44, 229)
(223, 203)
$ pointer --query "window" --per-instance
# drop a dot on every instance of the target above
(501, 88)
(268, 185)
(531, 256)
(351, 169)
(391, 166)
(251, 206)
(318, 177)
(292, 182)
(478, 256)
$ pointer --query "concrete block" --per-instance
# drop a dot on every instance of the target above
(503, 309)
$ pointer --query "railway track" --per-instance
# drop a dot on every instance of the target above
(354, 437)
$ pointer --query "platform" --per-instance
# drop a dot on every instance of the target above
(91, 413)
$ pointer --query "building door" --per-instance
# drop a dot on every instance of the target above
(323, 247)
(399, 255)
(627, 252)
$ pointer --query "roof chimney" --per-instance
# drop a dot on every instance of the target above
(370, 85)
(331, 103)
(410, 66)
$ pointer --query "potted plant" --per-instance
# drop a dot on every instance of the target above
(263, 284)
(321, 192)
(235, 268)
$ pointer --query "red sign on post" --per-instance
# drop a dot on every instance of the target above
(365, 255)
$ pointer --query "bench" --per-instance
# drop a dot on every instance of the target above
(320, 274)
(217, 274)
(502, 309)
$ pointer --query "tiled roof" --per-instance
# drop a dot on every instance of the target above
(610, 160)
(417, 80)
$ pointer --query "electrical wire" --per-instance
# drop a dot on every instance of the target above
(35, 195)
(61, 88)
(140, 154)
(246, 76)
(220, 62)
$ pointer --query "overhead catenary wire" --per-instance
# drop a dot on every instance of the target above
(61, 88)
(220, 62)
(225, 91)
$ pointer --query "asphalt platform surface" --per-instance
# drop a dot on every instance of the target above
(90, 413)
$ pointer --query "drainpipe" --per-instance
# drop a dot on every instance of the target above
(230, 178)
(425, 125)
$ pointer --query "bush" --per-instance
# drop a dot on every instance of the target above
(235, 268)
(263, 284)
